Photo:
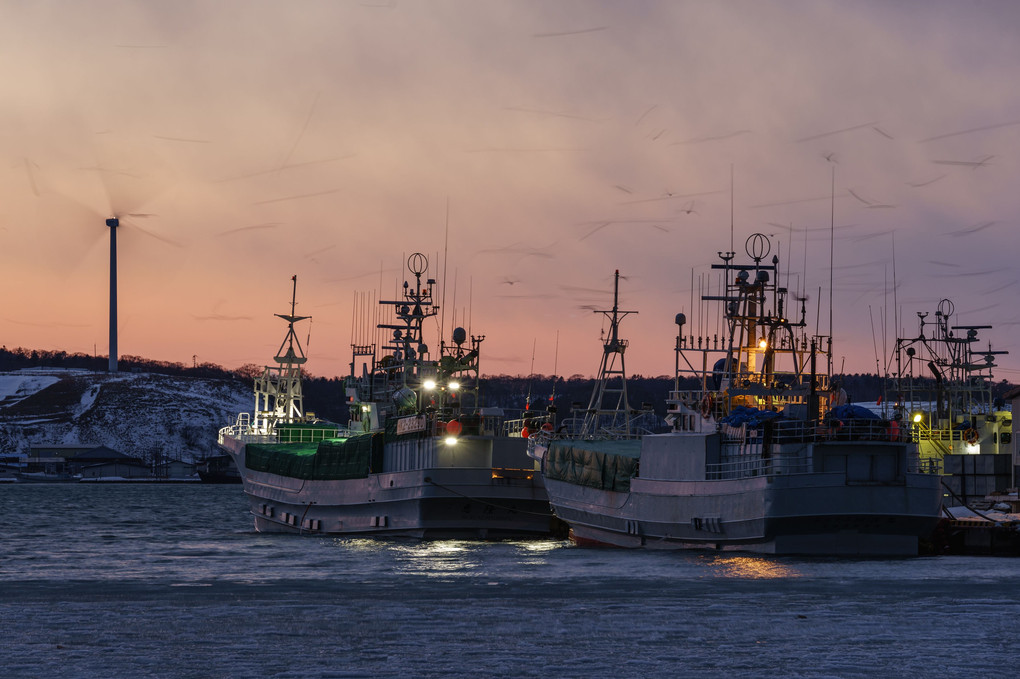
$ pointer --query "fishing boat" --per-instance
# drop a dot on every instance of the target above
(218, 469)
(419, 457)
(944, 386)
(761, 455)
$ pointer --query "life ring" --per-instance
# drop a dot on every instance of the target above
(970, 435)
(706, 406)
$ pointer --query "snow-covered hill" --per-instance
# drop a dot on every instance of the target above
(140, 414)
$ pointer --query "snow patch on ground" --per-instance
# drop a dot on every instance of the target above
(23, 385)
(87, 399)
(141, 414)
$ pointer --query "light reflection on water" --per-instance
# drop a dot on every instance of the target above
(752, 568)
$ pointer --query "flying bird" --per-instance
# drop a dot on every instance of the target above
(296, 197)
(971, 229)
(972, 164)
(834, 132)
(181, 139)
(642, 116)
(671, 196)
(556, 114)
(971, 131)
(930, 181)
(253, 227)
(863, 200)
(561, 34)
(716, 137)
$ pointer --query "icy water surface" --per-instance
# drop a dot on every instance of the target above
(172, 581)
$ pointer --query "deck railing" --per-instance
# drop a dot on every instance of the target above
(792, 431)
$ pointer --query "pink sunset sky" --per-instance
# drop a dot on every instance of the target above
(539, 146)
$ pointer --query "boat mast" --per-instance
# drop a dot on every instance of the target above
(612, 380)
(278, 397)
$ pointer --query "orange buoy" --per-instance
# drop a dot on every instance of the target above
(453, 428)
(547, 426)
(525, 433)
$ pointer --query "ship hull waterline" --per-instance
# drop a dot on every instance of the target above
(429, 503)
(753, 515)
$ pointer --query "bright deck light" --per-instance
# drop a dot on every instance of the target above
(451, 440)
(429, 384)
(917, 418)
(763, 343)
(454, 386)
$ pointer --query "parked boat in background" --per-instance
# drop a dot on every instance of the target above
(420, 456)
(943, 385)
(761, 455)
(218, 469)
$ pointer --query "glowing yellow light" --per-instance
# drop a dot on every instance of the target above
(365, 409)
(429, 384)
(451, 440)
(454, 386)
(763, 343)
(917, 417)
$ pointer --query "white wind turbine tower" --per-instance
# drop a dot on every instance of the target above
(113, 222)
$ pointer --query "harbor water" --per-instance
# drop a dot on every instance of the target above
(132, 580)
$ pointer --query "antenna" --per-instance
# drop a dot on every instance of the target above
(453, 306)
(731, 207)
(531, 374)
(291, 340)
(896, 308)
(832, 240)
(556, 358)
(446, 250)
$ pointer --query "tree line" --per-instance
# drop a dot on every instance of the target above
(326, 397)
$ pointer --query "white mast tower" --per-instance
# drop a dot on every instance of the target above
(278, 391)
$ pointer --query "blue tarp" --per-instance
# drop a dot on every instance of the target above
(750, 416)
(851, 412)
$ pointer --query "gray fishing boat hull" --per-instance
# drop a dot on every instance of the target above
(434, 495)
(807, 514)
(810, 499)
